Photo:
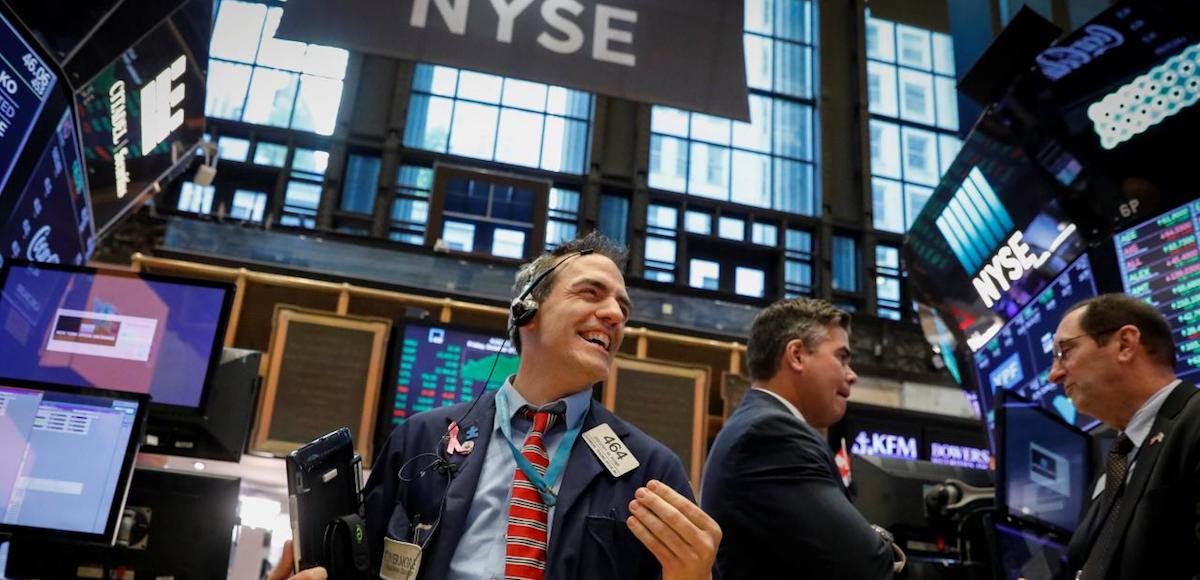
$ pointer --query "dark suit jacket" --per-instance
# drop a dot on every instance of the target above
(772, 485)
(589, 537)
(1160, 507)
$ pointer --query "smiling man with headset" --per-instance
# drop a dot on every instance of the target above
(534, 480)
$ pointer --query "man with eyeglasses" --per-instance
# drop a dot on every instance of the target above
(1115, 357)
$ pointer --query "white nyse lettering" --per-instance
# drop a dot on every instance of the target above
(454, 14)
(1010, 263)
(506, 13)
(605, 33)
(574, 35)
(159, 99)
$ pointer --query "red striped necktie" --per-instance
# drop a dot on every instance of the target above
(525, 552)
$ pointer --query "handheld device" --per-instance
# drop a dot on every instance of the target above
(323, 484)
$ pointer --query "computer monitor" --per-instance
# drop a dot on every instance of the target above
(1044, 466)
(112, 329)
(181, 527)
(1021, 554)
(66, 454)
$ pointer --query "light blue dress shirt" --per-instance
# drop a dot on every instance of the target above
(480, 551)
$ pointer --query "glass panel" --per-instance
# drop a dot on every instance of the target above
(317, 105)
(759, 16)
(704, 274)
(887, 206)
(473, 132)
(881, 89)
(887, 257)
(793, 20)
(947, 103)
(916, 197)
(278, 53)
(920, 156)
(759, 64)
(885, 149)
(413, 211)
(943, 54)
(428, 124)
(524, 95)
(668, 163)
(662, 216)
(227, 85)
(565, 145)
(413, 177)
(913, 47)
(439, 80)
(750, 282)
(195, 198)
(697, 222)
(660, 250)
(887, 288)
(669, 121)
(459, 236)
(520, 139)
(248, 205)
(755, 135)
(272, 95)
(799, 241)
(845, 264)
(414, 239)
(710, 129)
(708, 174)
(793, 130)
(881, 40)
(310, 161)
(558, 233)
(916, 97)
(479, 86)
(300, 195)
(794, 187)
(360, 184)
(948, 147)
(572, 103)
(731, 229)
(237, 30)
(508, 243)
(751, 179)
(799, 273)
(326, 61)
(233, 149)
(614, 217)
(564, 201)
(793, 69)
(765, 234)
(271, 154)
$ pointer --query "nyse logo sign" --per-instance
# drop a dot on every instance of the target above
(1009, 264)
(160, 105)
(885, 445)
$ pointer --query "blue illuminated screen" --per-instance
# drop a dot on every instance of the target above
(1046, 462)
(26, 83)
(442, 366)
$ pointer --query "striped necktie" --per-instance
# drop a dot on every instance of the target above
(1114, 486)
(528, 515)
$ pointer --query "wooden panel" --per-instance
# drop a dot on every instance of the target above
(733, 388)
(323, 373)
(668, 401)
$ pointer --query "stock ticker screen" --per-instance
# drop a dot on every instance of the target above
(26, 83)
(442, 365)
(1019, 357)
(1160, 263)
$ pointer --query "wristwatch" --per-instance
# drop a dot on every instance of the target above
(899, 558)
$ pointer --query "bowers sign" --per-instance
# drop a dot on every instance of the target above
(682, 53)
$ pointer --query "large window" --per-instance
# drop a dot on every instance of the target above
(500, 119)
(914, 117)
(257, 78)
(767, 162)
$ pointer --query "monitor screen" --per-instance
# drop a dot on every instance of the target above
(441, 365)
(1045, 465)
(1024, 554)
(1160, 263)
(65, 459)
(1019, 357)
(27, 82)
(112, 329)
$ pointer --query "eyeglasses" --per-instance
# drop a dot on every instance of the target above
(1057, 350)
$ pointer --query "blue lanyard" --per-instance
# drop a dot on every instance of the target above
(543, 483)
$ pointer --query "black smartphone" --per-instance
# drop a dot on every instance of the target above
(323, 484)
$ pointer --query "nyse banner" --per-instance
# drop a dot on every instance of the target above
(142, 111)
(682, 53)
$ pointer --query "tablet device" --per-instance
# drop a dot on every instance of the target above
(323, 484)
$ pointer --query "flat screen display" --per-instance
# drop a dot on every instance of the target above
(1046, 465)
(1160, 263)
(1023, 554)
(66, 457)
(441, 365)
(111, 329)
(26, 83)
(1019, 357)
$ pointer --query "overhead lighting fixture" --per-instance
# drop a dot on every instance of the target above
(1149, 99)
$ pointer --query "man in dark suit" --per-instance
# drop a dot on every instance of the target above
(1115, 356)
(770, 480)
(452, 482)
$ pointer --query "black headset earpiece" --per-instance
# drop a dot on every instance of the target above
(523, 309)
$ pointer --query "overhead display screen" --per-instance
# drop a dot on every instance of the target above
(442, 366)
(26, 83)
(1160, 263)
(1019, 357)
(109, 329)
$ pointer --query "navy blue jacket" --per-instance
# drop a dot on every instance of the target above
(589, 537)
(772, 485)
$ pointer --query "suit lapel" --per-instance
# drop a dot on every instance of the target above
(582, 468)
(766, 401)
(468, 468)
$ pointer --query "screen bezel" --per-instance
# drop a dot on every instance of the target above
(1055, 531)
(117, 506)
(218, 340)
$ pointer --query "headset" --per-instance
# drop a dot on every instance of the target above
(522, 310)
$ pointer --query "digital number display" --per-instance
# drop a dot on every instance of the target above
(1160, 263)
(442, 366)
(25, 85)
